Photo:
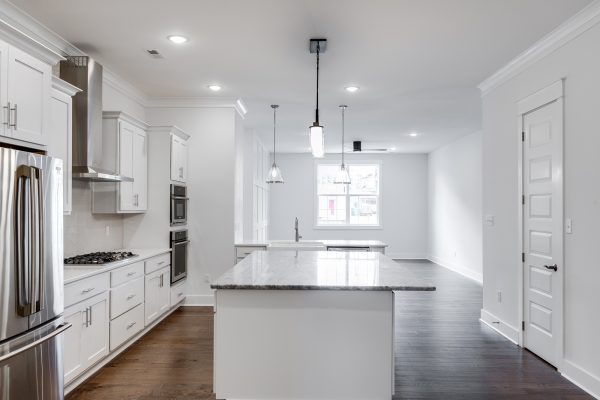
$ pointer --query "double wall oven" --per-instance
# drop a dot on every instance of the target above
(179, 238)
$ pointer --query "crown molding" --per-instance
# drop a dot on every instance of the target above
(125, 117)
(125, 88)
(170, 129)
(64, 86)
(197, 102)
(585, 19)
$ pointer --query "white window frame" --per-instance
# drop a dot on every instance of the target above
(346, 226)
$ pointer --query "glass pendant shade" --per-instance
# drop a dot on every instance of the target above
(317, 141)
(342, 176)
(275, 174)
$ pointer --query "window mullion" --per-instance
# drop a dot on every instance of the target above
(347, 190)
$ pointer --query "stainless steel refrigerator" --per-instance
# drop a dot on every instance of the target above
(31, 276)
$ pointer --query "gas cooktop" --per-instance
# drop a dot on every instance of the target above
(99, 258)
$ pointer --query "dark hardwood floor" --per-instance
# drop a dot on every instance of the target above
(442, 352)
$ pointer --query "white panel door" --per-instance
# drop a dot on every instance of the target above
(4, 130)
(140, 170)
(29, 85)
(96, 333)
(126, 134)
(73, 355)
(542, 230)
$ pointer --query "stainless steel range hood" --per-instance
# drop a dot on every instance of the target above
(86, 74)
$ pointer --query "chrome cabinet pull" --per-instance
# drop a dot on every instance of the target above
(91, 313)
(14, 125)
(131, 273)
(87, 290)
(129, 325)
(7, 120)
(131, 296)
(87, 317)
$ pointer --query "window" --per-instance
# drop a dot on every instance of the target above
(353, 205)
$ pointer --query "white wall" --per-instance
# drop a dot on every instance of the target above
(455, 227)
(211, 190)
(578, 62)
(403, 202)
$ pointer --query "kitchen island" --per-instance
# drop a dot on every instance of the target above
(308, 325)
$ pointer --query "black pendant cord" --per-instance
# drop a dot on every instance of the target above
(274, 122)
(343, 131)
(317, 110)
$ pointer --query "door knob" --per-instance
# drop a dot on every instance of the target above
(552, 267)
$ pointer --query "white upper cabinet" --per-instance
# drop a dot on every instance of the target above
(25, 89)
(179, 156)
(125, 151)
(61, 135)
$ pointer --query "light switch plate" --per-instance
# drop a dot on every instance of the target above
(489, 220)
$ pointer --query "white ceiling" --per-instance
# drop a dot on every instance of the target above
(417, 62)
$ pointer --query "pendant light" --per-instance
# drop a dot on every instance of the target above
(342, 176)
(274, 173)
(317, 136)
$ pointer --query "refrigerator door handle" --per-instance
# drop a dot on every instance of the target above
(39, 271)
(60, 329)
(24, 284)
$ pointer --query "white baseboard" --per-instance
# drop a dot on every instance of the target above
(406, 256)
(582, 378)
(469, 273)
(199, 300)
(503, 328)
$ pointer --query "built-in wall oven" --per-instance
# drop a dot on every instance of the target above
(179, 203)
(179, 255)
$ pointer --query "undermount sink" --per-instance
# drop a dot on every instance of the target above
(293, 245)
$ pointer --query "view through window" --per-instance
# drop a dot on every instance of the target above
(356, 204)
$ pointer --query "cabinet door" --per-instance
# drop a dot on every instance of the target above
(158, 293)
(73, 355)
(140, 170)
(60, 144)
(29, 86)
(175, 163)
(164, 295)
(183, 159)
(4, 131)
(96, 333)
(126, 194)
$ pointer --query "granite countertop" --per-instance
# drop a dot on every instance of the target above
(320, 270)
(73, 272)
(327, 243)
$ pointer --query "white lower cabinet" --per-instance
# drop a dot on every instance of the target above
(126, 326)
(87, 342)
(158, 294)
(177, 293)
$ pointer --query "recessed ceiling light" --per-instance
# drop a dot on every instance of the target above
(177, 39)
(392, 149)
(413, 134)
(351, 89)
(214, 87)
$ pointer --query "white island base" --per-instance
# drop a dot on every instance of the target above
(304, 344)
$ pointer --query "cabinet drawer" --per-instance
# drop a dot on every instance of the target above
(177, 293)
(126, 296)
(85, 288)
(127, 273)
(156, 263)
(243, 252)
(126, 326)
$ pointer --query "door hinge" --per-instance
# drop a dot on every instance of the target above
(523, 325)
(523, 257)
(523, 136)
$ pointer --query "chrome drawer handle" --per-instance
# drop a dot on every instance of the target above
(131, 296)
(130, 325)
(87, 290)
(131, 273)
(180, 294)
(161, 263)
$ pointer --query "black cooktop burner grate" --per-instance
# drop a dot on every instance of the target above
(101, 257)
